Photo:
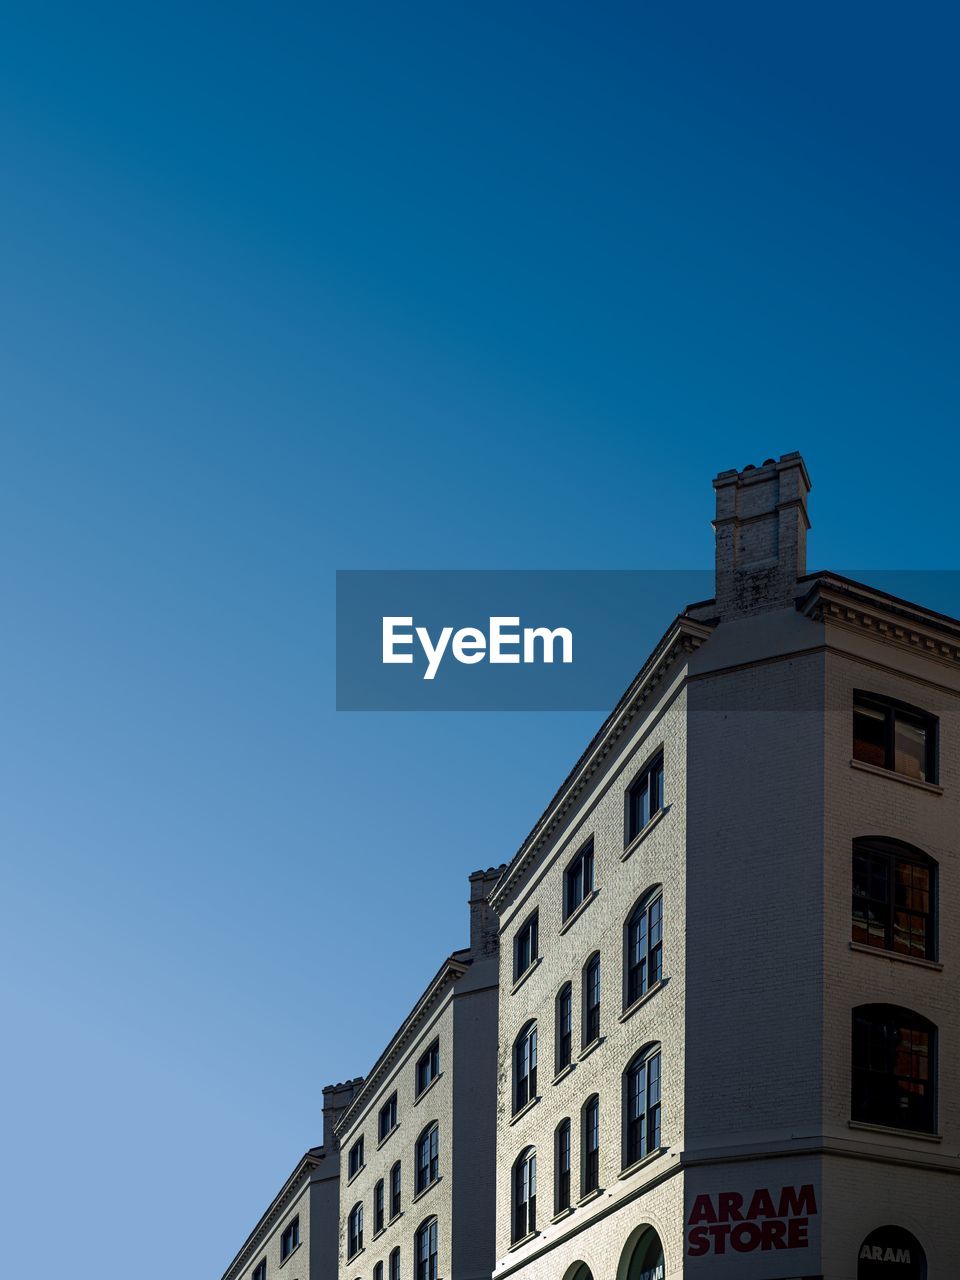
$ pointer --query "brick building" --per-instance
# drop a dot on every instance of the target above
(730, 1002)
(297, 1235)
(418, 1139)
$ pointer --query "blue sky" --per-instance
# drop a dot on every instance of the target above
(292, 289)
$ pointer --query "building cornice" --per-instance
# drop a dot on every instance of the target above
(291, 1191)
(843, 602)
(684, 636)
(452, 969)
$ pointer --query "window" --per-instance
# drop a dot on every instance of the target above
(428, 1067)
(260, 1270)
(425, 1250)
(525, 1066)
(645, 798)
(290, 1239)
(564, 1039)
(428, 1158)
(525, 1194)
(525, 948)
(562, 1181)
(643, 948)
(378, 1271)
(893, 1068)
(591, 1000)
(590, 1145)
(892, 735)
(395, 1265)
(893, 898)
(641, 1106)
(355, 1231)
(578, 880)
(387, 1120)
(378, 1216)
(355, 1158)
(395, 1190)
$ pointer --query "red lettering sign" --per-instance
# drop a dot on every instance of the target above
(719, 1224)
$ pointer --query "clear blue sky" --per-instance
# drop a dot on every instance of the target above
(295, 288)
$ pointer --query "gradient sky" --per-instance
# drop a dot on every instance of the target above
(295, 288)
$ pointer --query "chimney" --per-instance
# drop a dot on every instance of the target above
(761, 529)
(336, 1099)
(484, 924)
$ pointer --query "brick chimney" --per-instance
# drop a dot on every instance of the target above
(761, 533)
(484, 924)
(336, 1099)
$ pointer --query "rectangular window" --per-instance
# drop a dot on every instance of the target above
(395, 1190)
(428, 1067)
(260, 1270)
(355, 1158)
(563, 1167)
(355, 1231)
(645, 798)
(578, 880)
(525, 948)
(892, 735)
(564, 1028)
(387, 1121)
(893, 898)
(290, 1239)
(643, 1109)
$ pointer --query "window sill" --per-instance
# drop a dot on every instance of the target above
(578, 911)
(535, 964)
(564, 1072)
(884, 954)
(631, 1169)
(387, 1136)
(354, 1176)
(396, 1218)
(378, 1233)
(595, 1194)
(353, 1256)
(862, 765)
(562, 1213)
(426, 1190)
(641, 835)
(291, 1253)
(642, 1000)
(518, 1244)
(527, 1106)
(587, 1049)
(423, 1092)
(894, 1132)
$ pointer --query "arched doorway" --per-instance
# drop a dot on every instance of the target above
(891, 1253)
(645, 1259)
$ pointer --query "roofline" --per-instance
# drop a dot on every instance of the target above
(453, 968)
(683, 635)
(309, 1161)
(915, 612)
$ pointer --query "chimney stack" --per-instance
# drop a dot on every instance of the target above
(336, 1099)
(761, 536)
(484, 924)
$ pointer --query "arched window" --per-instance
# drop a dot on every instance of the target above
(561, 1180)
(378, 1208)
(395, 1191)
(894, 897)
(395, 1264)
(425, 1250)
(525, 1066)
(525, 1194)
(894, 1068)
(642, 1257)
(428, 1157)
(355, 1230)
(378, 1271)
(564, 1029)
(643, 947)
(591, 1000)
(641, 1106)
(590, 1145)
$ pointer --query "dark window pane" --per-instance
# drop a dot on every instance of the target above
(869, 735)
